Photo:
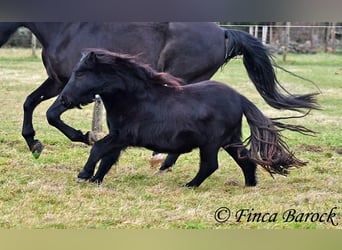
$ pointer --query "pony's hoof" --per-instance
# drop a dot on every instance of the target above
(84, 176)
(156, 160)
(37, 149)
(92, 137)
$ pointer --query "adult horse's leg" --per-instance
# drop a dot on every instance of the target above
(168, 163)
(53, 115)
(208, 165)
(47, 90)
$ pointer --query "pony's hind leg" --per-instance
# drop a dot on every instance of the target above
(208, 165)
(240, 155)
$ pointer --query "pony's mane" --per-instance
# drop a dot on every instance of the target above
(134, 66)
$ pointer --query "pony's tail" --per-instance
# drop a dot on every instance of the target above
(267, 147)
(257, 61)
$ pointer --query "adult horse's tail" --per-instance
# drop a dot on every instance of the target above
(257, 61)
(266, 145)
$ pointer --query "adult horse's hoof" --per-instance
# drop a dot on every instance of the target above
(37, 149)
(156, 160)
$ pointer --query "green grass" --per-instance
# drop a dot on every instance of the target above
(43, 193)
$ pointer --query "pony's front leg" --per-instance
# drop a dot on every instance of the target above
(54, 118)
(105, 149)
(106, 164)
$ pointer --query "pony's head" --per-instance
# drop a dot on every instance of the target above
(84, 83)
(126, 66)
(100, 71)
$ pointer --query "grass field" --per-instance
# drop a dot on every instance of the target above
(43, 193)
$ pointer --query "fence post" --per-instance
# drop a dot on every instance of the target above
(326, 37)
(333, 37)
(264, 34)
(33, 45)
(287, 40)
(251, 30)
(97, 115)
(256, 31)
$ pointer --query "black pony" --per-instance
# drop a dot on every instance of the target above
(154, 110)
(192, 51)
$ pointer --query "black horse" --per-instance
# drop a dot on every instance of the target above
(154, 110)
(192, 51)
